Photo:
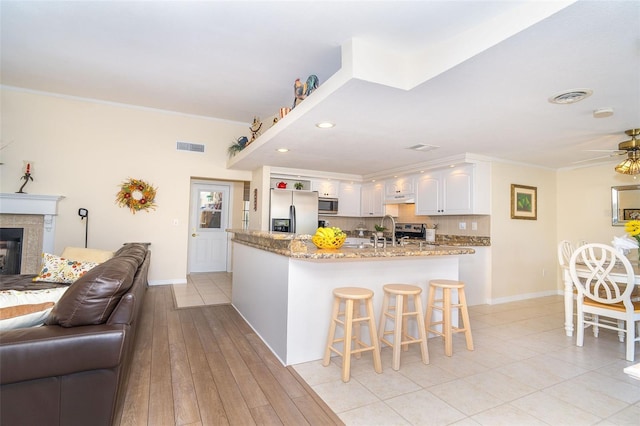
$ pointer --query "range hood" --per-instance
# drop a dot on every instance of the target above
(401, 199)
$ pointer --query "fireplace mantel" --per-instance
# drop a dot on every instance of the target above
(29, 204)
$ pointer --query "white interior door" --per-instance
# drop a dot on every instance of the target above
(209, 219)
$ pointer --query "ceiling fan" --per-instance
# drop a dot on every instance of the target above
(629, 147)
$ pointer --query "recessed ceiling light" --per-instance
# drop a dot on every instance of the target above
(325, 125)
(282, 150)
(570, 96)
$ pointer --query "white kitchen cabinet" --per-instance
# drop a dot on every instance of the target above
(372, 200)
(398, 187)
(349, 199)
(460, 190)
(325, 188)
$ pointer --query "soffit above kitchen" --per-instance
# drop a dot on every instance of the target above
(465, 77)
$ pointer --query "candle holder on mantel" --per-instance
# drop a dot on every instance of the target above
(27, 177)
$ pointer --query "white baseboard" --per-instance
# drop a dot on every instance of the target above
(524, 297)
(168, 282)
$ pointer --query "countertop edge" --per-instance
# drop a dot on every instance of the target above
(300, 247)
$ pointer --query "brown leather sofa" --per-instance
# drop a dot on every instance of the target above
(73, 370)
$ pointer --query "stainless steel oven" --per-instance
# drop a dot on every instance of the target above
(327, 205)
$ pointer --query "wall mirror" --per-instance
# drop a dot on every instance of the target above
(625, 204)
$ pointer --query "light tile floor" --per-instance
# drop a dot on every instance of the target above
(207, 288)
(523, 371)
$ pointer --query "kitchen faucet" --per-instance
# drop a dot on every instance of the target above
(393, 228)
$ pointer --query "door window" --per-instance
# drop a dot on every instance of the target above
(210, 209)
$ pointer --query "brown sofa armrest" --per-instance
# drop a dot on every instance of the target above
(50, 351)
(124, 311)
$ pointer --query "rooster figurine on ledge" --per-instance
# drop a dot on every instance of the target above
(255, 128)
(301, 91)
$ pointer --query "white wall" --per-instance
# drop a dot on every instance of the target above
(84, 150)
(584, 203)
(523, 259)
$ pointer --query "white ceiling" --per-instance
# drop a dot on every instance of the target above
(466, 76)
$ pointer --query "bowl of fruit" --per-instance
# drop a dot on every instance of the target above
(329, 238)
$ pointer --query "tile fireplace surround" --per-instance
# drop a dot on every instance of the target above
(36, 214)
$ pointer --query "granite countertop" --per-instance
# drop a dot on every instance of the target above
(301, 247)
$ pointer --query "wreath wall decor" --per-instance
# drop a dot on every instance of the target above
(137, 195)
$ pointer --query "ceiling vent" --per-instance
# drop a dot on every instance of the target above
(423, 147)
(571, 96)
(188, 146)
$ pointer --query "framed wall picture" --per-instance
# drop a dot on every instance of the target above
(630, 214)
(524, 202)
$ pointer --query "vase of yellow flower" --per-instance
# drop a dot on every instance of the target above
(632, 227)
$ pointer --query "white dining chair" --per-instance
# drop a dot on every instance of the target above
(565, 250)
(591, 267)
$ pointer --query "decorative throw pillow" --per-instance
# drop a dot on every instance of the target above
(62, 270)
(86, 254)
(28, 308)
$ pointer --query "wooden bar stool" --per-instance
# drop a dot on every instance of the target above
(400, 314)
(350, 319)
(446, 307)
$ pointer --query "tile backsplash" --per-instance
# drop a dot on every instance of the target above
(447, 225)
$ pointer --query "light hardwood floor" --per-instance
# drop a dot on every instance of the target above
(205, 366)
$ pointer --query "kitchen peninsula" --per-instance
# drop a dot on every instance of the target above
(282, 283)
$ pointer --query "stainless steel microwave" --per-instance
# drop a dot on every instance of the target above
(327, 205)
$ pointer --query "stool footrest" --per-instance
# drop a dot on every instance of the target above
(410, 339)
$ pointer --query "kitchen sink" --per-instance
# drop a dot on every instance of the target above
(363, 243)
(357, 243)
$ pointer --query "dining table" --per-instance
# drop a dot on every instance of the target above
(618, 274)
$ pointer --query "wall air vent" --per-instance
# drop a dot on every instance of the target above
(423, 147)
(188, 146)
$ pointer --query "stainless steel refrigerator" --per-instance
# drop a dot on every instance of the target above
(293, 211)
